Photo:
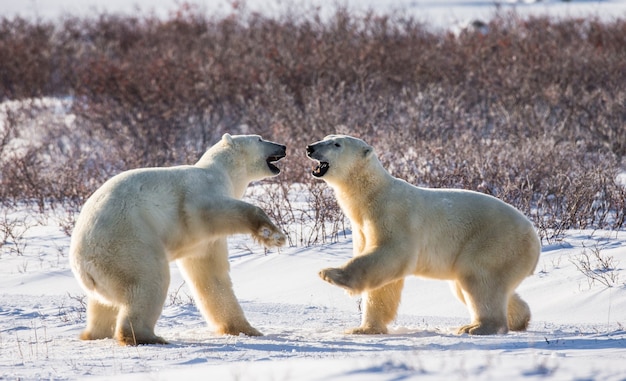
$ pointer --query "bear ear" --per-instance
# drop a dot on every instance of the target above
(227, 138)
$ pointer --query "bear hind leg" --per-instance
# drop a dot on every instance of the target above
(487, 304)
(518, 314)
(137, 327)
(142, 305)
(100, 320)
(380, 307)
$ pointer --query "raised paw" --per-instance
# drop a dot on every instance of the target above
(271, 236)
(338, 277)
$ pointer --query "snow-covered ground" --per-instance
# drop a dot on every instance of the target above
(577, 331)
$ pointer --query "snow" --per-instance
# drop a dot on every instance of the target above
(439, 13)
(577, 331)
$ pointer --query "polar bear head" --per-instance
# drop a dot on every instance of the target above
(247, 156)
(339, 157)
(256, 154)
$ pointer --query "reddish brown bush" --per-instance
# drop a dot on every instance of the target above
(533, 112)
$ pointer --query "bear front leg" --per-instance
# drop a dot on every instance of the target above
(380, 307)
(369, 271)
(338, 277)
(264, 230)
(227, 216)
(209, 279)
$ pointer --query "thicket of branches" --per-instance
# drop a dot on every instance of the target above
(533, 111)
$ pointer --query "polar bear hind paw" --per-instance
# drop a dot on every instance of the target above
(367, 331)
(127, 340)
(483, 329)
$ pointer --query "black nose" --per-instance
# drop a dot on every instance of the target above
(309, 149)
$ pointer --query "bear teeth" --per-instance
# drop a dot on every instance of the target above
(321, 169)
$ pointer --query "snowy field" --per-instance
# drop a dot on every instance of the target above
(577, 332)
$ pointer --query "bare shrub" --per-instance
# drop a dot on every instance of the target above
(12, 231)
(532, 112)
(74, 311)
(178, 298)
(308, 213)
(597, 267)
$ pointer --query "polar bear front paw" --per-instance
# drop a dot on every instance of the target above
(270, 236)
(247, 330)
(338, 277)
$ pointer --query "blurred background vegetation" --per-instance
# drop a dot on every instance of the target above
(530, 110)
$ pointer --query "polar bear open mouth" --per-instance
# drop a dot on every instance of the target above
(320, 169)
(270, 160)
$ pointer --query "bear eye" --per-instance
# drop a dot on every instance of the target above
(337, 145)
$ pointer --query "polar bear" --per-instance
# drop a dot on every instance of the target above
(484, 246)
(138, 221)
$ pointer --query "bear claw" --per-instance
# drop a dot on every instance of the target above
(265, 232)
(270, 237)
(279, 239)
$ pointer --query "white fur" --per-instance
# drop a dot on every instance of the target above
(482, 245)
(141, 219)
